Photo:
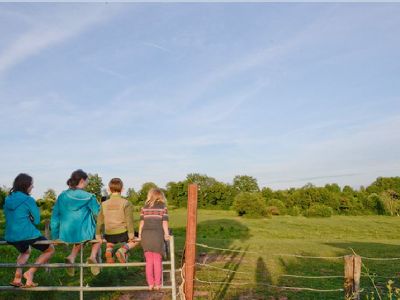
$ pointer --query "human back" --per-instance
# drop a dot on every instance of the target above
(114, 210)
(74, 214)
(22, 214)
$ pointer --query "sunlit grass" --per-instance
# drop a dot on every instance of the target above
(263, 240)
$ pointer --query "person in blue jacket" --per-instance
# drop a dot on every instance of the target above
(22, 215)
(73, 219)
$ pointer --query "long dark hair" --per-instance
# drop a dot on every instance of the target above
(22, 183)
(76, 177)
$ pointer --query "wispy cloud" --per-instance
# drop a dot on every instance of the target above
(58, 29)
(205, 108)
(154, 45)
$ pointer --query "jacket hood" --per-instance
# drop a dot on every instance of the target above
(14, 200)
(80, 198)
(78, 194)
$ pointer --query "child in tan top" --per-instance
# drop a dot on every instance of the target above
(116, 214)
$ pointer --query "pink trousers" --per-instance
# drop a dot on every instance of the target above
(153, 268)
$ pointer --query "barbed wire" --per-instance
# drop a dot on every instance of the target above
(296, 255)
(224, 249)
(283, 275)
(271, 285)
(380, 258)
(274, 254)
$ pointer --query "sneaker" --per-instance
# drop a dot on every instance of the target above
(109, 257)
(94, 269)
(70, 270)
(121, 255)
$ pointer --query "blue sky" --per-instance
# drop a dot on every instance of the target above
(288, 93)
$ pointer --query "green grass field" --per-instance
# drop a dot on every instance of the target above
(258, 261)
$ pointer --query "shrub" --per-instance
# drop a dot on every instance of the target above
(273, 211)
(279, 205)
(249, 205)
(294, 211)
(318, 210)
(390, 203)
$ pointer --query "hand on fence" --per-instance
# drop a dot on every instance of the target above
(166, 237)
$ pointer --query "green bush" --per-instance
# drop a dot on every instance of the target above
(249, 205)
(294, 211)
(318, 210)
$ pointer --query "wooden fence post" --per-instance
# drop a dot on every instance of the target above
(352, 275)
(357, 276)
(190, 252)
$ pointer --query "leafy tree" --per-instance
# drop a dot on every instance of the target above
(132, 196)
(46, 203)
(3, 195)
(204, 182)
(49, 195)
(95, 185)
(219, 195)
(348, 190)
(142, 195)
(382, 184)
(333, 188)
(244, 183)
(201, 180)
(177, 193)
(267, 193)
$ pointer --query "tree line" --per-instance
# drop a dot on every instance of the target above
(245, 196)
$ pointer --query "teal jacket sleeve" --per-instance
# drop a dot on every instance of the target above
(55, 222)
(33, 210)
(94, 205)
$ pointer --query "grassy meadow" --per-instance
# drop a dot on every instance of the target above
(257, 262)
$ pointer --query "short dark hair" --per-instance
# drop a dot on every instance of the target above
(76, 177)
(22, 183)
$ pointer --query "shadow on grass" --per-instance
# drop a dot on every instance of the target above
(220, 233)
(233, 263)
(262, 276)
(381, 270)
(377, 270)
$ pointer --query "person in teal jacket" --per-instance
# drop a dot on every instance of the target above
(73, 219)
(22, 215)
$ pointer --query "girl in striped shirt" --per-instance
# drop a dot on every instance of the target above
(153, 230)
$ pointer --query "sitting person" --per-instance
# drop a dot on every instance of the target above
(22, 214)
(73, 219)
(116, 214)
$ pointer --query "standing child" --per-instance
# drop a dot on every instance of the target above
(153, 230)
(116, 214)
(22, 214)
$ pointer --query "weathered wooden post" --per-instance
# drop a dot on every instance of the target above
(357, 276)
(190, 252)
(352, 275)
